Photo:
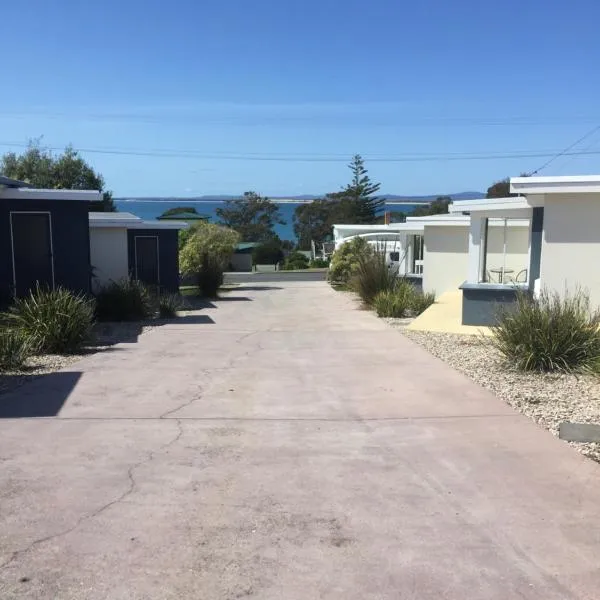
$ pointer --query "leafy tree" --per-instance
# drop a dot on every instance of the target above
(205, 254)
(438, 207)
(268, 253)
(180, 210)
(499, 189)
(346, 260)
(287, 245)
(358, 202)
(252, 216)
(314, 220)
(68, 171)
(296, 261)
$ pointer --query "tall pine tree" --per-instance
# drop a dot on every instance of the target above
(358, 200)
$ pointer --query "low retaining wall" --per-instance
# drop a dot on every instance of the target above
(481, 302)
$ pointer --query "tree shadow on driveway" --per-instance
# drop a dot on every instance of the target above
(43, 396)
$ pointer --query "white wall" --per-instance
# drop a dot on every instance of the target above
(108, 253)
(571, 244)
(445, 259)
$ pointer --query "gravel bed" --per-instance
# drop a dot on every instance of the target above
(548, 399)
(398, 323)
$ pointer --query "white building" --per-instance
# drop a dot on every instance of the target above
(446, 250)
(434, 250)
(564, 241)
(402, 243)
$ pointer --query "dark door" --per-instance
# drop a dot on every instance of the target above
(32, 251)
(146, 259)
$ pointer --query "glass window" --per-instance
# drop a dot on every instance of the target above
(505, 251)
(395, 256)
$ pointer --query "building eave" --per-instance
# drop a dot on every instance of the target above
(9, 193)
(390, 228)
(568, 184)
(488, 205)
(441, 220)
(160, 225)
(130, 221)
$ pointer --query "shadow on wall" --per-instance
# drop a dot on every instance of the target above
(43, 396)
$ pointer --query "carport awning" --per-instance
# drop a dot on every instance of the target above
(511, 207)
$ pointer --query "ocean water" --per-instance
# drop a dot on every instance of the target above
(150, 209)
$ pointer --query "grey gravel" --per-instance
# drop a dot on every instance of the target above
(548, 399)
(399, 323)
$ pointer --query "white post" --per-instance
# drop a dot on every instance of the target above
(504, 251)
(475, 235)
(408, 252)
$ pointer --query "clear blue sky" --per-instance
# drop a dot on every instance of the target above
(317, 78)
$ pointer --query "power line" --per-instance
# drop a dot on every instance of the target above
(447, 157)
(566, 152)
(258, 116)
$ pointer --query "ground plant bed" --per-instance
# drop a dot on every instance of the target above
(548, 399)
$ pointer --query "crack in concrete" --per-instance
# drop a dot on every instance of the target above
(130, 472)
(87, 517)
(228, 366)
(168, 415)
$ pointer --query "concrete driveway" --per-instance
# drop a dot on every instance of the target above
(286, 446)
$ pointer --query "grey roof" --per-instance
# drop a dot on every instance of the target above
(113, 216)
(125, 220)
(13, 183)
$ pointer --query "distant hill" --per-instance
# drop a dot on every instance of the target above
(301, 198)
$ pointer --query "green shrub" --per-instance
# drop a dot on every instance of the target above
(295, 260)
(394, 303)
(319, 263)
(210, 277)
(345, 260)
(125, 300)
(403, 300)
(268, 253)
(15, 348)
(54, 321)
(552, 333)
(420, 302)
(372, 275)
(206, 253)
(169, 304)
